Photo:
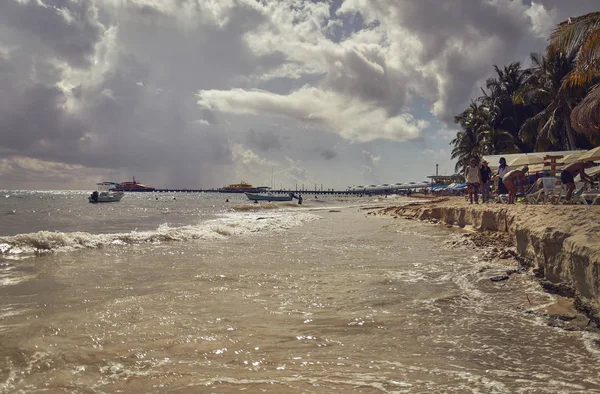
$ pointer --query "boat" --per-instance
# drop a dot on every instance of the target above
(242, 187)
(268, 197)
(133, 187)
(105, 193)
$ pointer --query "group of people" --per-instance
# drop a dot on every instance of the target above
(480, 178)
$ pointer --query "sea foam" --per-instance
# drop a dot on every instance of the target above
(234, 224)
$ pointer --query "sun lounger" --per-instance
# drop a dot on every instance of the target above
(532, 190)
(577, 193)
(547, 193)
(591, 197)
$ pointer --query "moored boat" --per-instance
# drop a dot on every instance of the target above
(105, 194)
(268, 197)
(133, 187)
(242, 187)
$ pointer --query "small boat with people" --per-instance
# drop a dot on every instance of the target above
(105, 193)
(269, 197)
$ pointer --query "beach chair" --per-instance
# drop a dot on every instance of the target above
(591, 197)
(577, 193)
(547, 193)
(531, 191)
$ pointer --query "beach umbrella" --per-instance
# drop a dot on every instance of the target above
(572, 157)
(526, 160)
(591, 155)
(538, 168)
(593, 171)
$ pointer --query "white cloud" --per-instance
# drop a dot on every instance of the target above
(351, 118)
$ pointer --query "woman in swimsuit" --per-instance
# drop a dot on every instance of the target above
(510, 181)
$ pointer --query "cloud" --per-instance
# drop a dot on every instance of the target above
(368, 168)
(166, 89)
(352, 119)
(295, 171)
(435, 154)
(446, 133)
(264, 141)
(23, 172)
(328, 154)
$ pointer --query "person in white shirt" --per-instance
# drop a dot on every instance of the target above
(473, 177)
(503, 169)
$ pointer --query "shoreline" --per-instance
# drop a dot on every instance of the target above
(553, 243)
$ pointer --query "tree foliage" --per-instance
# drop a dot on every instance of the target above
(552, 105)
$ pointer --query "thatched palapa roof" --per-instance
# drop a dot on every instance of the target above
(585, 118)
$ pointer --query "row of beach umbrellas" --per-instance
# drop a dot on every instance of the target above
(536, 163)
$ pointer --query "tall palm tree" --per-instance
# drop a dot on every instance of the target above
(550, 127)
(505, 113)
(581, 35)
(466, 143)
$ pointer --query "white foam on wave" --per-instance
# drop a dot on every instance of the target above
(591, 341)
(234, 224)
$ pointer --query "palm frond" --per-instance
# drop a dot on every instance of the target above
(570, 35)
(532, 94)
(588, 62)
(585, 117)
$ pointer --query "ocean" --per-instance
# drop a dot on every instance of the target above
(188, 293)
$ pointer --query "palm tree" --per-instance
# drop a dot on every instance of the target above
(506, 114)
(478, 136)
(581, 35)
(550, 127)
(466, 143)
(497, 141)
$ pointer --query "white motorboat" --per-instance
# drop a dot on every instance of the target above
(268, 197)
(105, 194)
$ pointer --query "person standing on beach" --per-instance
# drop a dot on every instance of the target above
(473, 177)
(510, 180)
(503, 169)
(568, 174)
(486, 175)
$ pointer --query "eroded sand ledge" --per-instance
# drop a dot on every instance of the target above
(561, 242)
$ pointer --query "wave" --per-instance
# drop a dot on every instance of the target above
(263, 207)
(43, 242)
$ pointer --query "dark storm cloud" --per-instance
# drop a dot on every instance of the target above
(139, 113)
(64, 28)
(264, 141)
(328, 154)
(462, 39)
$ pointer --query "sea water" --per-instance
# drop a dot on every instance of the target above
(189, 294)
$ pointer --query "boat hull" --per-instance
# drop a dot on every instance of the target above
(264, 197)
(106, 198)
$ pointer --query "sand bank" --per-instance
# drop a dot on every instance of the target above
(560, 243)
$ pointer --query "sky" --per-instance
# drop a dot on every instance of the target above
(205, 93)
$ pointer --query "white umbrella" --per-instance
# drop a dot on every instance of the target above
(526, 160)
(591, 155)
(538, 168)
(593, 171)
(572, 157)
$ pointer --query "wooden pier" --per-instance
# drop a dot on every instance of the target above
(308, 192)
